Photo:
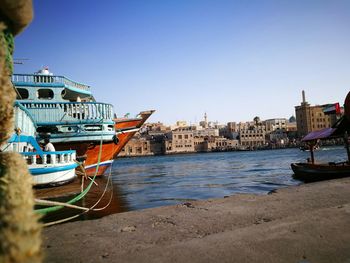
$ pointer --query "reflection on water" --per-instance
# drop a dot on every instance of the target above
(110, 202)
(145, 182)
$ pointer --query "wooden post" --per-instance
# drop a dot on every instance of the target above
(312, 154)
(311, 146)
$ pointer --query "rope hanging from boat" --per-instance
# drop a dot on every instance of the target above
(92, 208)
(46, 210)
(83, 193)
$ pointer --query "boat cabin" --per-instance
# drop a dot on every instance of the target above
(61, 107)
(44, 86)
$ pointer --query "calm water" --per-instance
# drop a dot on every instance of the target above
(164, 180)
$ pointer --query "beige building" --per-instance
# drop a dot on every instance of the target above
(252, 137)
(181, 141)
(208, 144)
(278, 124)
(221, 144)
(311, 118)
(136, 147)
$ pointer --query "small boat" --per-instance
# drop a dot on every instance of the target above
(306, 148)
(47, 168)
(311, 171)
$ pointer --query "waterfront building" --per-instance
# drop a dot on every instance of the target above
(311, 118)
(137, 147)
(208, 132)
(209, 144)
(254, 136)
(180, 140)
(272, 125)
(229, 131)
(221, 144)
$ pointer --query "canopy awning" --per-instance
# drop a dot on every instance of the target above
(337, 130)
(320, 134)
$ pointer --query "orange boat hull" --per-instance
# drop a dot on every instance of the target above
(110, 150)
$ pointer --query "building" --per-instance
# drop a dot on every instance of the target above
(209, 132)
(180, 141)
(229, 131)
(252, 137)
(279, 124)
(136, 147)
(311, 118)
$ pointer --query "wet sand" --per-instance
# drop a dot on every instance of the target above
(307, 223)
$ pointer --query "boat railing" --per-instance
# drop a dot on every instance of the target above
(59, 157)
(60, 112)
(47, 79)
(23, 120)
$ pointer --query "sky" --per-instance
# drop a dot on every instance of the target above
(233, 60)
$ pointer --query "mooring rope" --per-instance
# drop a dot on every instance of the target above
(46, 210)
(48, 202)
(92, 208)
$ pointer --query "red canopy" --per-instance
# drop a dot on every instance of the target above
(321, 134)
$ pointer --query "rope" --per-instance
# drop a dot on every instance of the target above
(44, 211)
(92, 207)
(88, 209)
(48, 202)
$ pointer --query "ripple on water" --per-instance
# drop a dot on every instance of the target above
(162, 180)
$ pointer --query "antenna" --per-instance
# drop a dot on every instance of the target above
(19, 61)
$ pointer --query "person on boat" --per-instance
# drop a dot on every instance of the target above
(48, 146)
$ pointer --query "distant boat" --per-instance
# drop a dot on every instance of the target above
(306, 148)
(311, 171)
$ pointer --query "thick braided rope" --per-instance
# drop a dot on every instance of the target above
(20, 232)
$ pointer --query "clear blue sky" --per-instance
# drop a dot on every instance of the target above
(232, 59)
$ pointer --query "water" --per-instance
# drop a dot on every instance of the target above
(146, 182)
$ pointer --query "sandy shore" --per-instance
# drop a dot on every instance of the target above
(307, 223)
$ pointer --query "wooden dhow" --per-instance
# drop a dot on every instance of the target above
(67, 113)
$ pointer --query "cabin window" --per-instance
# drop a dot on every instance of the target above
(45, 94)
(22, 94)
(92, 127)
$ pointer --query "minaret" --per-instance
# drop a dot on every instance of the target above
(205, 120)
(304, 102)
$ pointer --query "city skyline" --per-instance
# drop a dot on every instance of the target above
(232, 59)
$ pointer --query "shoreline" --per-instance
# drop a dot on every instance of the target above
(305, 223)
(223, 151)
